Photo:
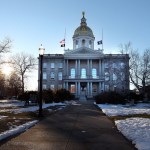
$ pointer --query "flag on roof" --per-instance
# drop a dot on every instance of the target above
(99, 42)
(62, 43)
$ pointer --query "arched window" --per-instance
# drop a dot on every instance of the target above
(90, 44)
(83, 42)
(94, 73)
(77, 44)
(72, 73)
(83, 73)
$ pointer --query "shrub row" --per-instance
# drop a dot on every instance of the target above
(109, 97)
(117, 98)
(49, 96)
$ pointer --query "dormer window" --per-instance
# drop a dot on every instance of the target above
(83, 42)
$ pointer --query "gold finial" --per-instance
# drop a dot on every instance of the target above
(83, 13)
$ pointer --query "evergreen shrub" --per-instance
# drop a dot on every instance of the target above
(48, 96)
(110, 98)
(62, 95)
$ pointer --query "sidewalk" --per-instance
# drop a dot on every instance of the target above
(76, 127)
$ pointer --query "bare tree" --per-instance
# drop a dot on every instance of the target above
(2, 84)
(125, 48)
(5, 45)
(139, 67)
(13, 85)
(23, 64)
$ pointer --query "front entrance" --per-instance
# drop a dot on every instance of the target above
(83, 91)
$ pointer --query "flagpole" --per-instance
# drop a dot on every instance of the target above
(102, 39)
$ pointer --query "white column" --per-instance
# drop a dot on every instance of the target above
(100, 68)
(64, 85)
(79, 68)
(91, 67)
(76, 68)
(67, 85)
(99, 87)
(88, 70)
(79, 88)
(102, 86)
(76, 88)
(88, 89)
(67, 68)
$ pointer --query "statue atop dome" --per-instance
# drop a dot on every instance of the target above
(83, 20)
(83, 13)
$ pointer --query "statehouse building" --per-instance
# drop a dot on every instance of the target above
(83, 70)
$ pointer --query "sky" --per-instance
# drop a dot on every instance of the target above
(30, 23)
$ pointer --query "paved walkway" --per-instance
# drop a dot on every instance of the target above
(76, 127)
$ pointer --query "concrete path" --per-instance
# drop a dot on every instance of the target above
(76, 127)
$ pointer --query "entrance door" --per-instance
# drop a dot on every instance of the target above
(83, 91)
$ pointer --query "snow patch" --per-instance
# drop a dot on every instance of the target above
(137, 130)
(123, 110)
(17, 129)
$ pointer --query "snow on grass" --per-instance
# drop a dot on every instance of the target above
(11, 103)
(31, 108)
(137, 130)
(17, 129)
(123, 110)
(1, 117)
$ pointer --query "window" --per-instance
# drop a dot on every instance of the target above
(72, 88)
(44, 65)
(114, 77)
(52, 86)
(52, 75)
(122, 76)
(106, 76)
(83, 42)
(59, 75)
(44, 86)
(77, 44)
(106, 87)
(90, 44)
(83, 73)
(122, 65)
(52, 65)
(44, 75)
(106, 65)
(94, 73)
(60, 65)
(114, 65)
(72, 72)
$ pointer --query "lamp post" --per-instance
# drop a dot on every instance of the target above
(41, 53)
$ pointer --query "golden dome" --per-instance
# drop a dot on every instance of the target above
(83, 29)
